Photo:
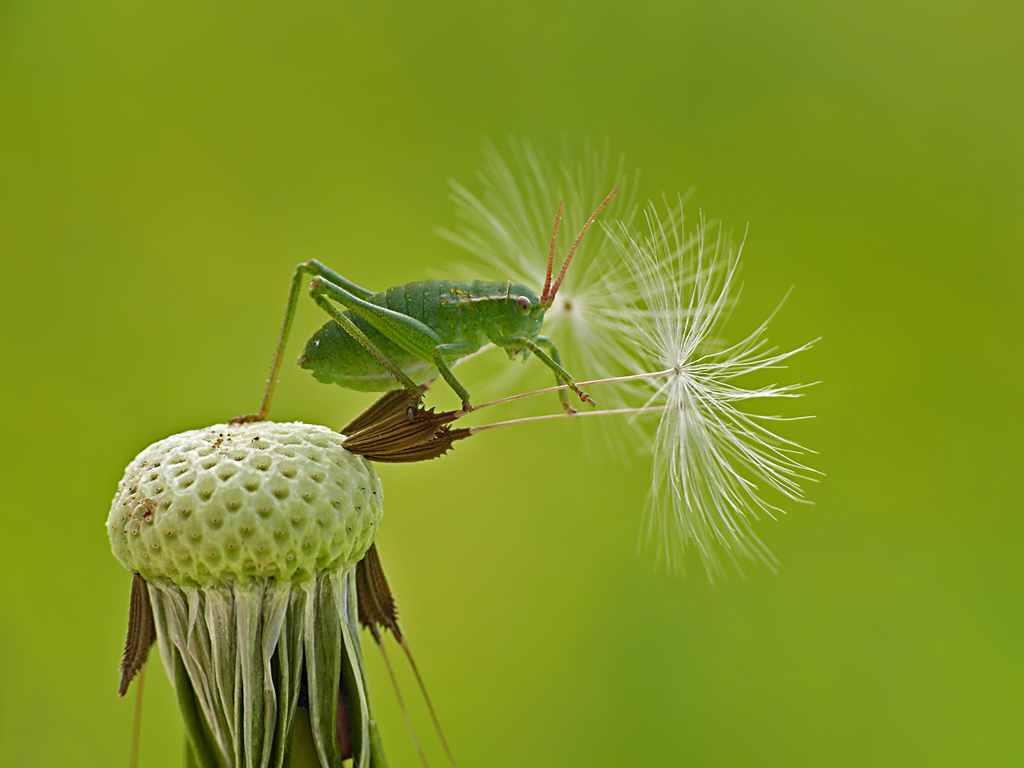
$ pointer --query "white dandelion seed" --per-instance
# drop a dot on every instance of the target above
(713, 460)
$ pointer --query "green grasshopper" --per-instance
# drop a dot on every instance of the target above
(388, 340)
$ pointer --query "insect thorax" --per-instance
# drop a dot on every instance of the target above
(476, 311)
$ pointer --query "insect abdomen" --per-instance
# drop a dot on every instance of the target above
(334, 357)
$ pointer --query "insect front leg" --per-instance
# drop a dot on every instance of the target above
(563, 395)
(554, 362)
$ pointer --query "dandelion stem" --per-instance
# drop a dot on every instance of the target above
(137, 726)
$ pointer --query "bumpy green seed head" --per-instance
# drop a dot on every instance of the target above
(237, 502)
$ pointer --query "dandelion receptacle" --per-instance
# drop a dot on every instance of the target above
(244, 541)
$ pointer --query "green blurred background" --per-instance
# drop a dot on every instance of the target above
(163, 166)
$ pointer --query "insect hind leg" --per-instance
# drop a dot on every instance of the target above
(311, 267)
(316, 291)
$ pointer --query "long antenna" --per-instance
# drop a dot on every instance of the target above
(579, 237)
(551, 253)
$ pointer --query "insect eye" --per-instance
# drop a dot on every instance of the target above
(523, 303)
